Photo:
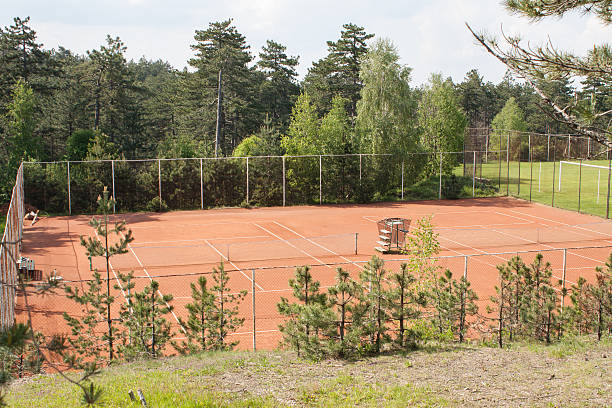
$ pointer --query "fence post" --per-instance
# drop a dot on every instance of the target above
(247, 180)
(563, 279)
(440, 184)
(508, 165)
(608, 198)
(499, 159)
(284, 181)
(201, 186)
(159, 182)
(465, 267)
(560, 172)
(518, 185)
(113, 173)
(548, 148)
(402, 179)
(253, 300)
(320, 180)
(360, 157)
(530, 168)
(552, 203)
(69, 200)
(474, 176)
(579, 183)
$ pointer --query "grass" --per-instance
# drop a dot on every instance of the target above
(536, 182)
(348, 391)
(567, 373)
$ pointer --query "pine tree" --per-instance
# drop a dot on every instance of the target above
(343, 296)
(298, 331)
(338, 73)
(221, 53)
(198, 325)
(407, 299)
(144, 315)
(280, 89)
(96, 248)
(223, 310)
(376, 300)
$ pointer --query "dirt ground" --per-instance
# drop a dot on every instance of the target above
(466, 376)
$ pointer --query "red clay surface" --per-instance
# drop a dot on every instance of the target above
(173, 248)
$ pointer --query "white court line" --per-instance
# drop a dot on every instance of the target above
(471, 225)
(315, 243)
(233, 264)
(158, 291)
(290, 244)
(199, 240)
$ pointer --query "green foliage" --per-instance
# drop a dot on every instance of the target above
(77, 145)
(224, 310)
(451, 188)
(156, 205)
(144, 316)
(442, 124)
(376, 304)
(198, 325)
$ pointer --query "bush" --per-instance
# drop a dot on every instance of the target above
(451, 188)
(157, 205)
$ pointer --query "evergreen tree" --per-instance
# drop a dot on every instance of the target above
(338, 73)
(198, 325)
(280, 89)
(343, 296)
(376, 303)
(223, 310)
(406, 302)
(221, 53)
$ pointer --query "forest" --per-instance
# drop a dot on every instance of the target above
(58, 105)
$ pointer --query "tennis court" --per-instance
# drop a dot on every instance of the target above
(261, 247)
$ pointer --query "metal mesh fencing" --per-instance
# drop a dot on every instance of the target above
(10, 252)
(264, 287)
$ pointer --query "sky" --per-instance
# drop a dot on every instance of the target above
(430, 35)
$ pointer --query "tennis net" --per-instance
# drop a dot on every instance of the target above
(480, 238)
(307, 247)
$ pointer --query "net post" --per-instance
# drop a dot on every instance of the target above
(247, 180)
(608, 197)
(579, 183)
(201, 186)
(356, 235)
(320, 180)
(440, 182)
(402, 179)
(159, 182)
(113, 173)
(69, 198)
(253, 312)
(474, 176)
(465, 266)
(563, 279)
(284, 188)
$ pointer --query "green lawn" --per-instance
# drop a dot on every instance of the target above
(538, 179)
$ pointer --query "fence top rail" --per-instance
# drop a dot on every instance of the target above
(572, 135)
(248, 157)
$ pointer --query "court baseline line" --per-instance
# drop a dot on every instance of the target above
(198, 240)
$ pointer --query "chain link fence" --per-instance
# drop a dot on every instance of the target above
(10, 253)
(265, 286)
